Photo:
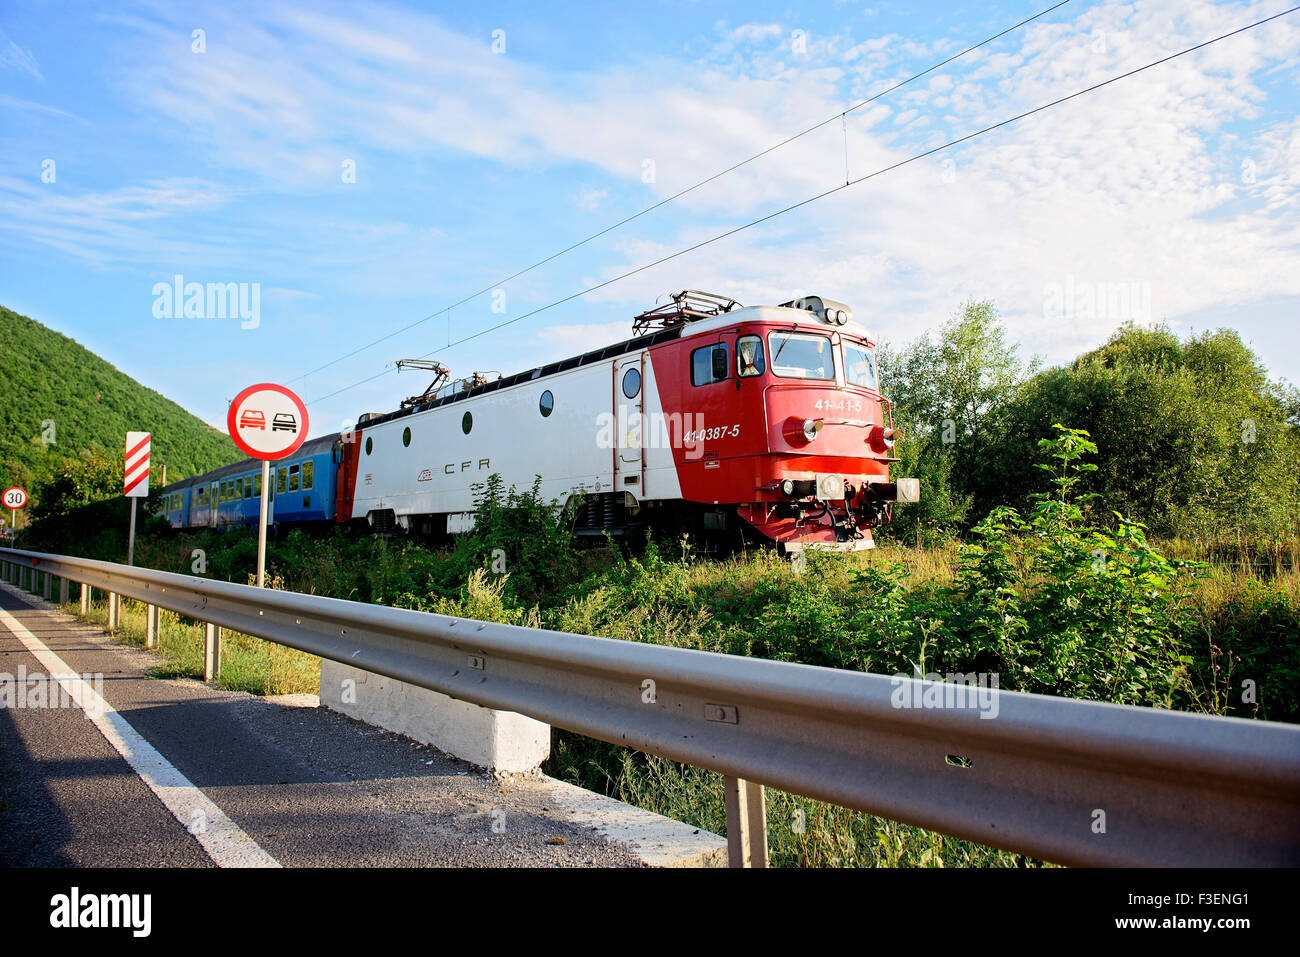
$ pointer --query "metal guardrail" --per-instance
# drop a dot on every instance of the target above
(1069, 781)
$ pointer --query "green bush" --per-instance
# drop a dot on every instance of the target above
(516, 535)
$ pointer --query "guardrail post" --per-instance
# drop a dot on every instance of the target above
(47, 586)
(114, 611)
(746, 823)
(85, 599)
(151, 626)
(63, 591)
(211, 651)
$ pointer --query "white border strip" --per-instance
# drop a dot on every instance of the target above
(223, 840)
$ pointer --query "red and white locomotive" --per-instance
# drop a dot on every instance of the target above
(758, 422)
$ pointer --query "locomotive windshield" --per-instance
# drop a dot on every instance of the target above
(798, 356)
(859, 367)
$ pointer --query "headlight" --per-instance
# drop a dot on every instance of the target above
(882, 439)
(787, 488)
(811, 427)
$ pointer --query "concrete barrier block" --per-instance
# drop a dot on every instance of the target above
(497, 740)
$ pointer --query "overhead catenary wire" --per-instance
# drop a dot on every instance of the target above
(689, 189)
(828, 192)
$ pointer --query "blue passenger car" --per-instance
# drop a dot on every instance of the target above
(302, 490)
(173, 504)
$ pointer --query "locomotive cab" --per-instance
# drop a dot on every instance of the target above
(787, 423)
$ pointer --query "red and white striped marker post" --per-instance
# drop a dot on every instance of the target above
(135, 480)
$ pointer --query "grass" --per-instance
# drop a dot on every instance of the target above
(801, 832)
(247, 664)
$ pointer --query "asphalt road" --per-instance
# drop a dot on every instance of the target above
(309, 786)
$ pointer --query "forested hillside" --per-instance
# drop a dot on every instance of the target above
(61, 404)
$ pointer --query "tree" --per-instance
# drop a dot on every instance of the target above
(90, 477)
(1194, 439)
(949, 393)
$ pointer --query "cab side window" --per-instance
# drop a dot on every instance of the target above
(749, 356)
(709, 364)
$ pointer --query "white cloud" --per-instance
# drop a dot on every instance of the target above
(755, 32)
(1139, 182)
(17, 103)
(591, 199)
(562, 340)
(289, 295)
(109, 227)
(12, 55)
(1132, 184)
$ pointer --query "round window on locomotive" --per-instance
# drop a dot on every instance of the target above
(631, 383)
(370, 446)
(406, 437)
(466, 423)
(546, 404)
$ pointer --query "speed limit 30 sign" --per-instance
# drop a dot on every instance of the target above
(15, 498)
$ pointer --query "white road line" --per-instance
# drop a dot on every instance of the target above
(223, 839)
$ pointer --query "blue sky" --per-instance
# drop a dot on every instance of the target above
(1172, 196)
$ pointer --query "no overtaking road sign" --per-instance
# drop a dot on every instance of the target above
(267, 421)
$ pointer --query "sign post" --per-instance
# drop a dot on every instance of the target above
(135, 480)
(266, 422)
(261, 523)
(14, 499)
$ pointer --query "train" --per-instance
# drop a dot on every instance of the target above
(735, 423)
